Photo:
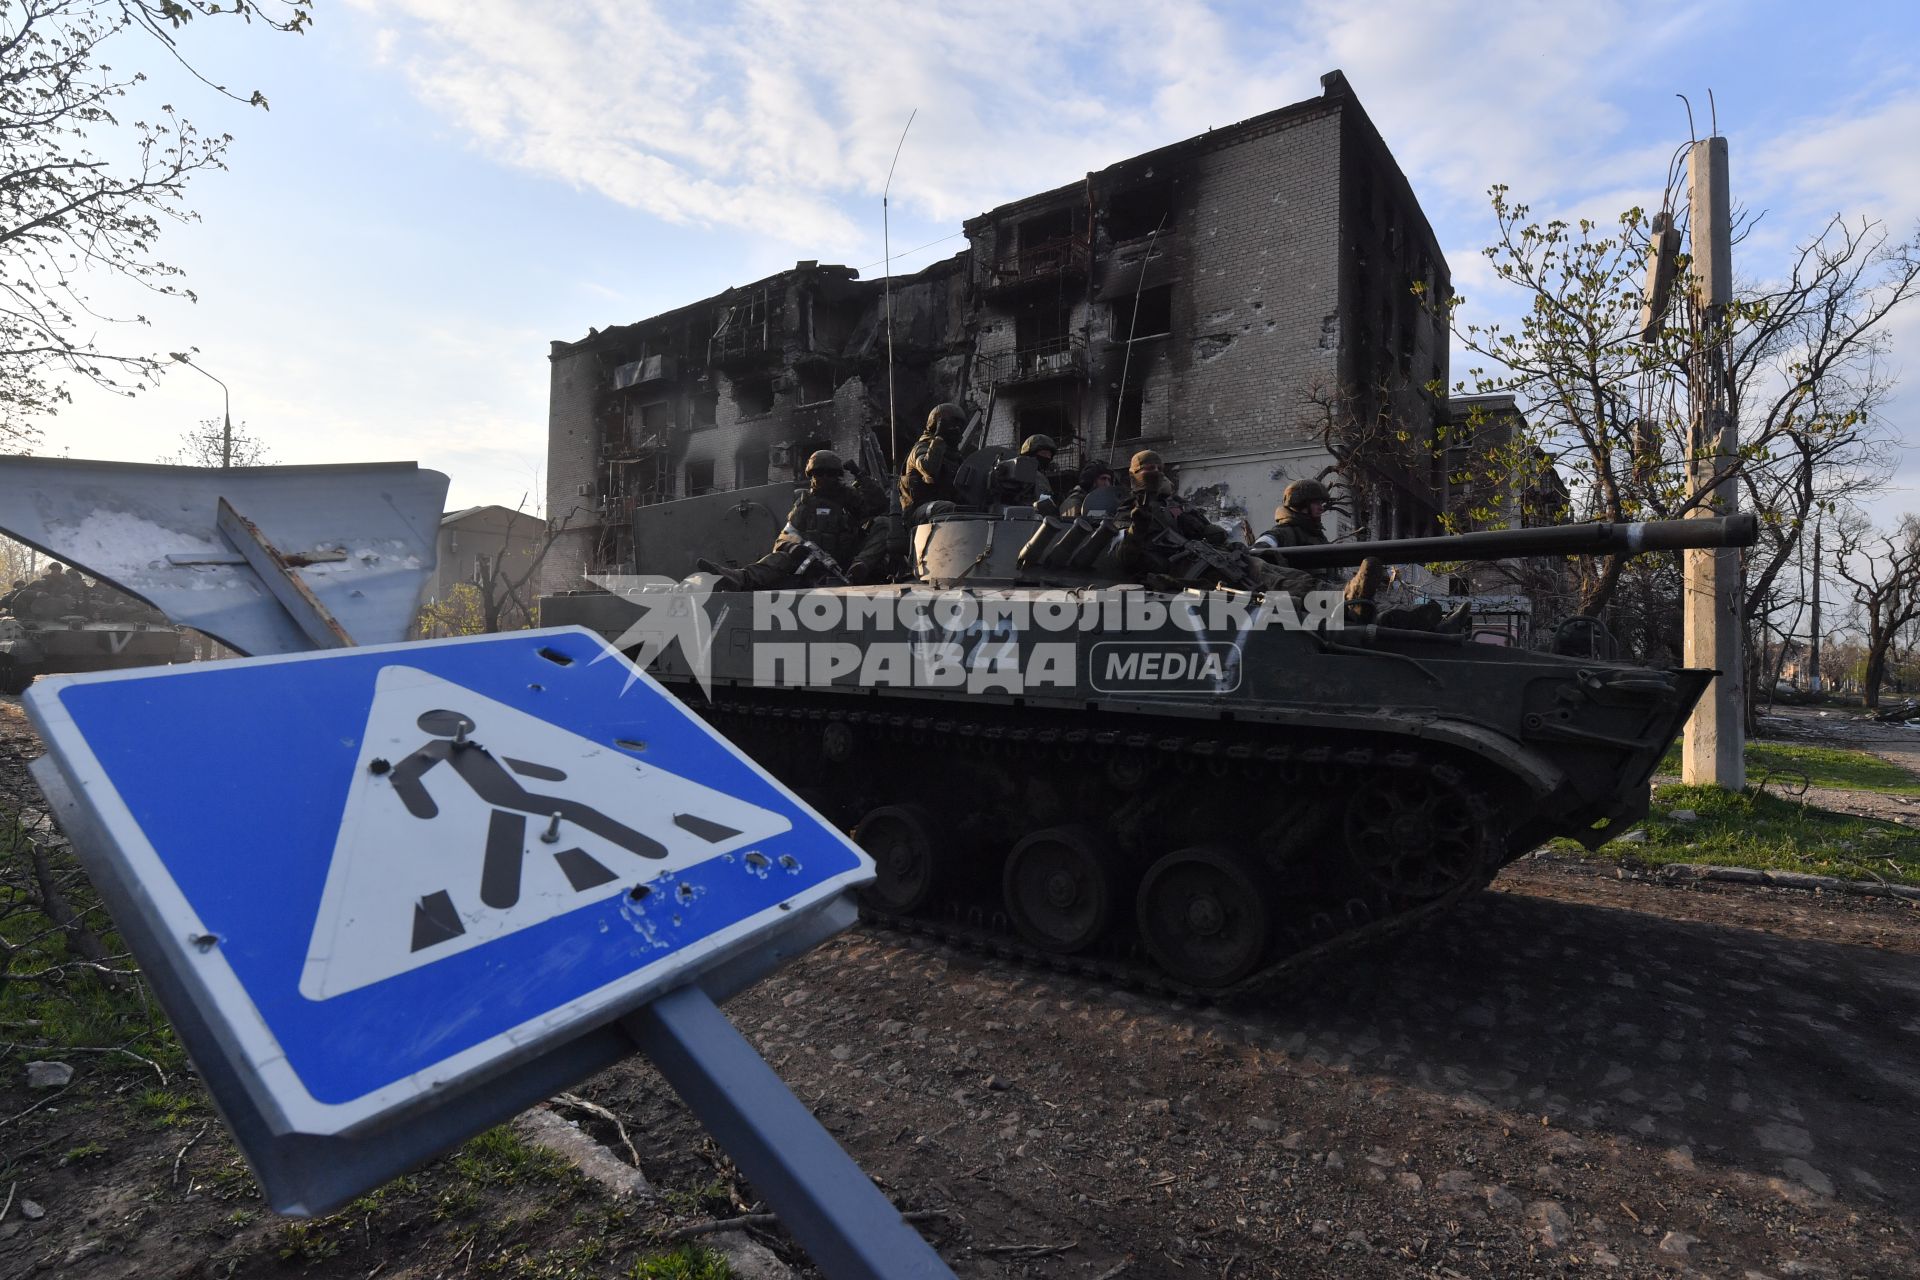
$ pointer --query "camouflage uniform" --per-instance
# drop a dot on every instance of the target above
(1023, 481)
(829, 517)
(1292, 529)
(1297, 524)
(1173, 547)
(932, 463)
(1091, 498)
(48, 597)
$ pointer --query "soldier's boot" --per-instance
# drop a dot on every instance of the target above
(729, 578)
(1422, 617)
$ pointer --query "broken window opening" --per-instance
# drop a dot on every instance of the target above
(1148, 314)
(699, 477)
(752, 396)
(656, 420)
(1128, 415)
(816, 384)
(1044, 420)
(1044, 228)
(706, 408)
(750, 468)
(1140, 211)
(1037, 325)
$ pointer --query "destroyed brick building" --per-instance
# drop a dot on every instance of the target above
(1244, 302)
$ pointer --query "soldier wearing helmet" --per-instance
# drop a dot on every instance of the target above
(1025, 480)
(1160, 523)
(823, 533)
(1095, 495)
(1296, 521)
(932, 463)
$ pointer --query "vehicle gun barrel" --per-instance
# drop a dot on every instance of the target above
(1601, 538)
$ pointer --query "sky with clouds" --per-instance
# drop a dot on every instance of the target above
(443, 187)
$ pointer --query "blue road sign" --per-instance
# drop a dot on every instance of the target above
(382, 876)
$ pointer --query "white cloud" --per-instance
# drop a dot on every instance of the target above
(1858, 159)
(779, 117)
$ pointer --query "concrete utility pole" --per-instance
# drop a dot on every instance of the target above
(1813, 642)
(1713, 748)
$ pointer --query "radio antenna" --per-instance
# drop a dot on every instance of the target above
(886, 243)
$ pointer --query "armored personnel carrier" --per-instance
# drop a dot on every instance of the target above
(1201, 791)
(81, 627)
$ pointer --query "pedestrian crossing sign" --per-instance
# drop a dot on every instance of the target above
(379, 875)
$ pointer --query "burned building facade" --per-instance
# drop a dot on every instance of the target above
(1257, 303)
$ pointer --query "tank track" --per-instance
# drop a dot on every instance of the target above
(784, 731)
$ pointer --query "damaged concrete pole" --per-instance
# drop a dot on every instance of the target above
(1713, 746)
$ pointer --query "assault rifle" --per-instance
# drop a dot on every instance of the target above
(817, 553)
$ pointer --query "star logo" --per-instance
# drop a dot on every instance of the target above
(670, 612)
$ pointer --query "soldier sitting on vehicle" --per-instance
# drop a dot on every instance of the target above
(1024, 480)
(823, 533)
(51, 595)
(1096, 495)
(1172, 546)
(926, 482)
(1297, 522)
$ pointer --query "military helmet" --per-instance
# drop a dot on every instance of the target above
(1091, 473)
(1035, 443)
(1301, 495)
(1142, 460)
(945, 418)
(825, 462)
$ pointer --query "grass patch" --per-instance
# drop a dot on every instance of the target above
(688, 1262)
(1837, 767)
(1764, 831)
(53, 997)
(500, 1157)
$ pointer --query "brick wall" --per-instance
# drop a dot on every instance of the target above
(1258, 320)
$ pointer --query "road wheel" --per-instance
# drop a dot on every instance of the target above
(899, 839)
(1204, 916)
(1418, 835)
(1060, 887)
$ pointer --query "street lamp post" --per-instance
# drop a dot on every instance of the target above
(226, 399)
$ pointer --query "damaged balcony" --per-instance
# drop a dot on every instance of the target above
(1064, 357)
(752, 331)
(640, 373)
(1052, 261)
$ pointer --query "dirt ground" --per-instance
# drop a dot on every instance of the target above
(1578, 1073)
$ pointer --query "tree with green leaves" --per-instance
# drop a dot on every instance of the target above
(85, 194)
(1609, 397)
